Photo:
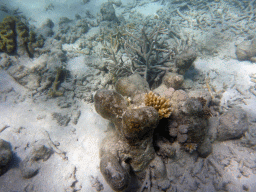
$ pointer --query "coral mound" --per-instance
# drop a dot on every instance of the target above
(161, 104)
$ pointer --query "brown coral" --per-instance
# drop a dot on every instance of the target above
(161, 104)
(14, 33)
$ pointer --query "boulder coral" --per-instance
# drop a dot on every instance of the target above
(129, 146)
(246, 50)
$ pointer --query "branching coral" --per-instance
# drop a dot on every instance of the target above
(136, 51)
(53, 92)
(161, 104)
(113, 43)
(146, 53)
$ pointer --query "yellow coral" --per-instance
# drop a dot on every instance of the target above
(161, 104)
(7, 35)
(11, 28)
(190, 147)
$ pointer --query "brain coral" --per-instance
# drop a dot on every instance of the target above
(13, 32)
(7, 35)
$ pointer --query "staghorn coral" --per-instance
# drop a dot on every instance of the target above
(161, 104)
(53, 92)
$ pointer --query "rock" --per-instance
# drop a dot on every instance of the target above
(46, 29)
(166, 149)
(232, 124)
(62, 120)
(40, 152)
(201, 93)
(205, 148)
(161, 90)
(173, 80)
(246, 50)
(185, 60)
(109, 104)
(178, 99)
(128, 145)
(212, 128)
(129, 86)
(116, 176)
(5, 156)
(193, 106)
(30, 166)
(107, 11)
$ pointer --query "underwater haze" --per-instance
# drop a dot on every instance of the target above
(133, 96)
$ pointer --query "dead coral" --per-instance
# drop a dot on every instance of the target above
(161, 104)
(53, 92)
(147, 53)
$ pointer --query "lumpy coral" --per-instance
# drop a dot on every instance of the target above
(129, 146)
(161, 104)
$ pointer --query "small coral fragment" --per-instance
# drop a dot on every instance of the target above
(190, 147)
(161, 104)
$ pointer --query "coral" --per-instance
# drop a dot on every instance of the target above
(161, 104)
(53, 92)
(14, 33)
(7, 34)
(147, 53)
(129, 145)
(190, 147)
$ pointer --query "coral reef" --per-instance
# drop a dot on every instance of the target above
(189, 121)
(16, 36)
(129, 146)
(147, 53)
(161, 104)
